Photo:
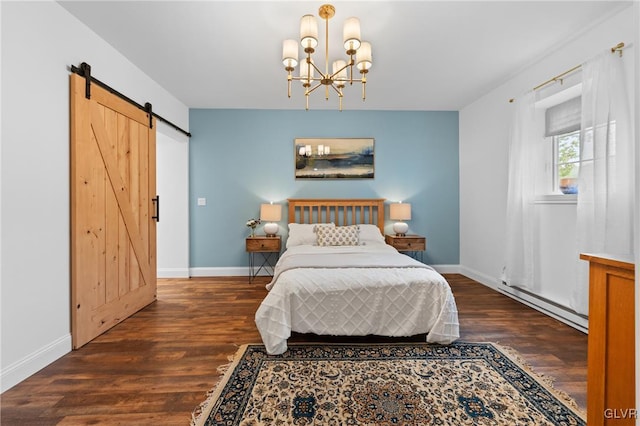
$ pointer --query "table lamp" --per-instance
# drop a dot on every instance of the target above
(400, 211)
(270, 213)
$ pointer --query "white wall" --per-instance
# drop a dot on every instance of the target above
(39, 42)
(484, 127)
(172, 172)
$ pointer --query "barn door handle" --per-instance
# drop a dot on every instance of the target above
(156, 201)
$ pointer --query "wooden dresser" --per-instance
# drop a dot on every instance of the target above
(611, 356)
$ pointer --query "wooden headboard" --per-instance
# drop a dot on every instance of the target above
(340, 211)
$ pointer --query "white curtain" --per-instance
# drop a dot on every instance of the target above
(606, 178)
(524, 140)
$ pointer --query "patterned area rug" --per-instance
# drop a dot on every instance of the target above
(384, 384)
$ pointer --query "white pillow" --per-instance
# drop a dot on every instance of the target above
(338, 235)
(370, 234)
(304, 234)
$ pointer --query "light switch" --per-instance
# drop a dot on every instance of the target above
(202, 201)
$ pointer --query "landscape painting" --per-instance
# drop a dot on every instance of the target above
(334, 158)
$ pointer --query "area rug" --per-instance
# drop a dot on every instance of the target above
(384, 384)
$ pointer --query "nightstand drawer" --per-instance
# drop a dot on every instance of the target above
(407, 243)
(266, 244)
(410, 244)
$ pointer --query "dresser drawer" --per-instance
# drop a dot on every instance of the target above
(258, 244)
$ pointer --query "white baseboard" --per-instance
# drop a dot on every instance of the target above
(34, 362)
(480, 277)
(555, 311)
(233, 271)
(447, 269)
(560, 313)
(173, 272)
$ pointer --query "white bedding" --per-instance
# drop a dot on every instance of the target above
(355, 290)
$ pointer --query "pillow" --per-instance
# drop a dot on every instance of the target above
(304, 234)
(338, 236)
(370, 234)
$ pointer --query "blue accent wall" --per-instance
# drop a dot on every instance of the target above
(240, 159)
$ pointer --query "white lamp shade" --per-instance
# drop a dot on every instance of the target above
(270, 212)
(400, 211)
(308, 31)
(340, 65)
(306, 72)
(290, 53)
(363, 56)
(351, 34)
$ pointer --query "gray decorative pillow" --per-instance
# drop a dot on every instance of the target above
(338, 236)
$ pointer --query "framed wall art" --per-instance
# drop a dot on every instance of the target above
(334, 158)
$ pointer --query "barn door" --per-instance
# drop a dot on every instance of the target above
(113, 209)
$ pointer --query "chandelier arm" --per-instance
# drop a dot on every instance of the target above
(338, 91)
(304, 78)
(317, 69)
(341, 69)
(314, 88)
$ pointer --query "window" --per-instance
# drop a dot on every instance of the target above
(566, 162)
(562, 125)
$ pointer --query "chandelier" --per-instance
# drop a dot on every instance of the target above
(342, 71)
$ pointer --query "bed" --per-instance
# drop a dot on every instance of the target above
(338, 277)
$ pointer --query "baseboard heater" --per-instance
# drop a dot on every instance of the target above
(547, 306)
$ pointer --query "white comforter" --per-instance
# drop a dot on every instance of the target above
(355, 291)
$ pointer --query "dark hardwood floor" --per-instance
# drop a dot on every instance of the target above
(156, 367)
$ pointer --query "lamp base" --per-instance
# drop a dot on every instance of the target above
(400, 228)
(271, 229)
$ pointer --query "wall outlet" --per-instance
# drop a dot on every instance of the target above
(202, 201)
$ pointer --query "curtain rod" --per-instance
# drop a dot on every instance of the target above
(85, 71)
(617, 48)
(557, 77)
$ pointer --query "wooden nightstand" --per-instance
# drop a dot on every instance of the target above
(268, 248)
(411, 245)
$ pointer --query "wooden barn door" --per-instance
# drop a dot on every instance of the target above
(113, 227)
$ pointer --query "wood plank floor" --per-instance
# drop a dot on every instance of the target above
(156, 367)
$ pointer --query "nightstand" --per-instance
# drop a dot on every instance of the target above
(411, 245)
(264, 252)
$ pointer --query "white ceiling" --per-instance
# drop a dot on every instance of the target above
(427, 55)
